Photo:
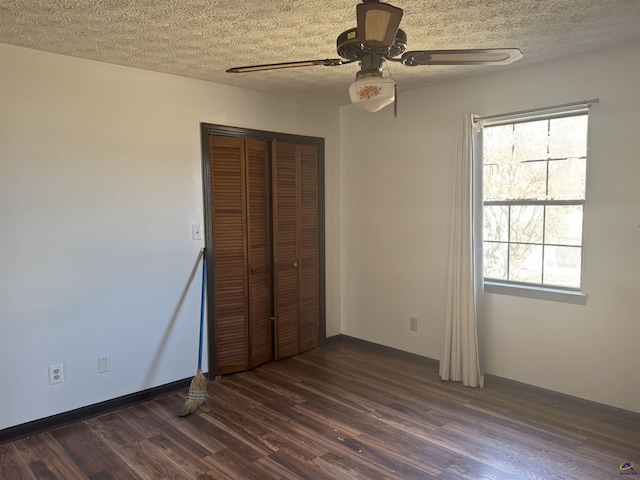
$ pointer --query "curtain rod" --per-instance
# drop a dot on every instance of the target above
(584, 103)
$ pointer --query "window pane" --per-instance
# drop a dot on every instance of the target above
(568, 137)
(495, 260)
(525, 263)
(531, 141)
(527, 181)
(567, 179)
(526, 223)
(562, 266)
(497, 143)
(563, 224)
(496, 223)
(496, 187)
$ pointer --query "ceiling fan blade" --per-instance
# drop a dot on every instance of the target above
(329, 62)
(480, 56)
(378, 23)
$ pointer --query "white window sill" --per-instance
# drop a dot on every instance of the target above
(541, 293)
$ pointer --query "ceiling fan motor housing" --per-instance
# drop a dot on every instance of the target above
(349, 46)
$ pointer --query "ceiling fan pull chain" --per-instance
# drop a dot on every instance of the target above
(395, 102)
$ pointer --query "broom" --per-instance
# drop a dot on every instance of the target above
(198, 388)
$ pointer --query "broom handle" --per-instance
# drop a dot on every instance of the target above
(204, 283)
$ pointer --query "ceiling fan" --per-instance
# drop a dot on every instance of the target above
(378, 38)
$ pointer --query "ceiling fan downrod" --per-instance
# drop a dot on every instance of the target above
(370, 65)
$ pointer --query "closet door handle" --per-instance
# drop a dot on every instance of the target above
(295, 264)
(253, 269)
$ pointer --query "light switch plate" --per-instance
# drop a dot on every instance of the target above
(196, 231)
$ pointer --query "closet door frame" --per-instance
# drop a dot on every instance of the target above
(208, 129)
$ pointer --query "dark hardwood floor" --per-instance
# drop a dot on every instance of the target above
(344, 411)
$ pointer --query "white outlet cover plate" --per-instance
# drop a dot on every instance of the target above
(56, 374)
(103, 364)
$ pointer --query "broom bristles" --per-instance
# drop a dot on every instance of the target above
(196, 395)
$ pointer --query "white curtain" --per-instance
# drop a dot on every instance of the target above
(460, 360)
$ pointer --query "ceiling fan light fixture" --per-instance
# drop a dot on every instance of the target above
(372, 93)
(378, 23)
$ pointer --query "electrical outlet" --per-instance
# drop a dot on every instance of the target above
(56, 374)
(103, 364)
(413, 324)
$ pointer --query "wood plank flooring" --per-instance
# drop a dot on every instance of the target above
(344, 411)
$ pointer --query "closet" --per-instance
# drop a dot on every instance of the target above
(263, 237)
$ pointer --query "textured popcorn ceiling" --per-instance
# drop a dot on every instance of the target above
(202, 38)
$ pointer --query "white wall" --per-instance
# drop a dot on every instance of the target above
(395, 182)
(100, 181)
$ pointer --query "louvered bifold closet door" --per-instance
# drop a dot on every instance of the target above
(259, 253)
(229, 256)
(295, 238)
(286, 254)
(309, 274)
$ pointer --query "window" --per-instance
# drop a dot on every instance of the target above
(534, 173)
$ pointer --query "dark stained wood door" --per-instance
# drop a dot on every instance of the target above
(295, 247)
(259, 252)
(286, 253)
(229, 256)
(242, 294)
(309, 259)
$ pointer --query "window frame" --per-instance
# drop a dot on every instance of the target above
(565, 294)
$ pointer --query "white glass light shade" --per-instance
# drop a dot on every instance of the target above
(372, 93)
